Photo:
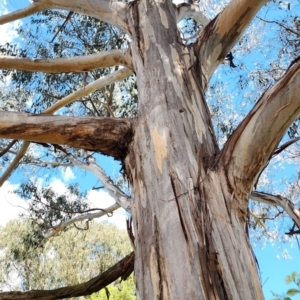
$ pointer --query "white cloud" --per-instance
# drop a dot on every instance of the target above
(11, 204)
(8, 31)
(67, 174)
(58, 186)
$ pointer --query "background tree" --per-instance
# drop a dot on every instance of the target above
(72, 257)
(123, 291)
(190, 207)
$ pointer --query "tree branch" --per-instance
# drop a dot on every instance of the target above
(122, 269)
(221, 34)
(90, 88)
(86, 216)
(284, 146)
(253, 142)
(116, 193)
(281, 25)
(186, 10)
(7, 148)
(285, 203)
(111, 12)
(69, 64)
(14, 163)
(109, 136)
(97, 84)
(22, 13)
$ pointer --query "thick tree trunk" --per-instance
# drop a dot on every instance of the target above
(191, 241)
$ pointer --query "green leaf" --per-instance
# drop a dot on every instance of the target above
(289, 279)
(292, 292)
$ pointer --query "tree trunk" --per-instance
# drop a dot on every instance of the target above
(191, 241)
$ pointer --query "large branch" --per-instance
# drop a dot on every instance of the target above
(97, 84)
(111, 12)
(278, 200)
(122, 269)
(222, 33)
(68, 64)
(253, 142)
(109, 136)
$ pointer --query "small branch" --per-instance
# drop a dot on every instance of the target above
(276, 152)
(14, 163)
(7, 149)
(87, 216)
(122, 269)
(115, 192)
(90, 88)
(292, 232)
(284, 146)
(285, 203)
(62, 26)
(281, 25)
(69, 64)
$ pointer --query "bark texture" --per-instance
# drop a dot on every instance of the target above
(190, 237)
(107, 135)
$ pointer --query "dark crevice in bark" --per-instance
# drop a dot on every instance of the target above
(228, 203)
(179, 210)
(158, 258)
(208, 255)
(136, 20)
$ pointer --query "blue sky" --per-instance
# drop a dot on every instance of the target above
(273, 266)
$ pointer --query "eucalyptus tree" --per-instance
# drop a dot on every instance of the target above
(189, 201)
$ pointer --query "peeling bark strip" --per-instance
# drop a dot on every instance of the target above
(122, 269)
(109, 136)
